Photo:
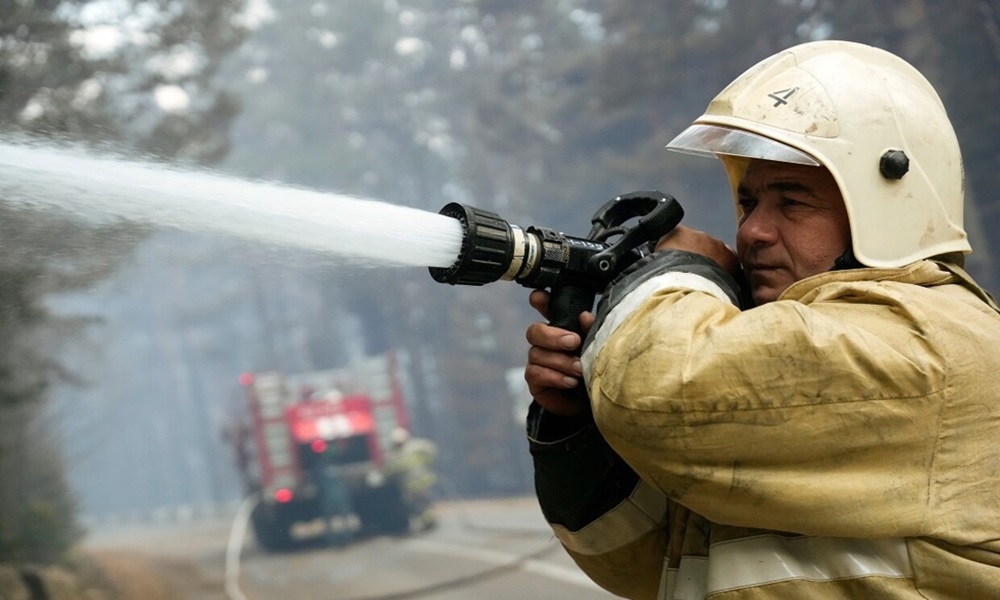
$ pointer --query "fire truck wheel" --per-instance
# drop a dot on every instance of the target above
(273, 533)
(382, 510)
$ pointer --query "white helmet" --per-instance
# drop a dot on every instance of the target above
(867, 116)
(399, 436)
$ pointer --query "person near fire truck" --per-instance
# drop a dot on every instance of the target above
(411, 466)
(834, 434)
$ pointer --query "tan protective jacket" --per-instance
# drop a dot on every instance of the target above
(841, 442)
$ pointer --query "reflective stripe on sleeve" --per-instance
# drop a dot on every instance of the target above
(632, 300)
(761, 560)
(643, 511)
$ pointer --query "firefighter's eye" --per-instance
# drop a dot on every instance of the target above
(747, 204)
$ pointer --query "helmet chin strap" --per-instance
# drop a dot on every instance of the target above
(847, 261)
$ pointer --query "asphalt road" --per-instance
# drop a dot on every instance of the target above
(484, 549)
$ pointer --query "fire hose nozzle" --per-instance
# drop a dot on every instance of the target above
(489, 246)
(575, 269)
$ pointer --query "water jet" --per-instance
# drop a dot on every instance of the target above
(97, 189)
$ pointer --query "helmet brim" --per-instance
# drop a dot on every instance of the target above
(715, 140)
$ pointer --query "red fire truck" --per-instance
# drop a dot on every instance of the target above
(308, 431)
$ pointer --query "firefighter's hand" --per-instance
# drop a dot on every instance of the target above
(553, 365)
(699, 242)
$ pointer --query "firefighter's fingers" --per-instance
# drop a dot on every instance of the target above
(559, 402)
(554, 368)
(552, 338)
(550, 388)
(562, 363)
(541, 378)
(550, 375)
(539, 300)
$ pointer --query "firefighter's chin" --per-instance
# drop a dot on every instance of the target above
(374, 479)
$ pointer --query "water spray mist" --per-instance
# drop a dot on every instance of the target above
(80, 185)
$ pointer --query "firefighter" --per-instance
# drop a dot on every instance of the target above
(833, 434)
(411, 465)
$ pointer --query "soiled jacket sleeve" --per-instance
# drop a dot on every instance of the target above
(611, 522)
(818, 415)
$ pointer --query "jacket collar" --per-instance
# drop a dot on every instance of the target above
(926, 273)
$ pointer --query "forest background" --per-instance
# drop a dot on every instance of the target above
(122, 345)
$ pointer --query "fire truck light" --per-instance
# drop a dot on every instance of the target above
(283, 495)
(246, 379)
(318, 446)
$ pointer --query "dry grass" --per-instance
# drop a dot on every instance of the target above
(130, 576)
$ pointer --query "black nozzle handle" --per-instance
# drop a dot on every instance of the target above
(567, 303)
(660, 221)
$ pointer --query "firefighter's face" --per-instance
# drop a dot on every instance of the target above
(794, 225)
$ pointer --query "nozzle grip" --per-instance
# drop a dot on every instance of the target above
(566, 303)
